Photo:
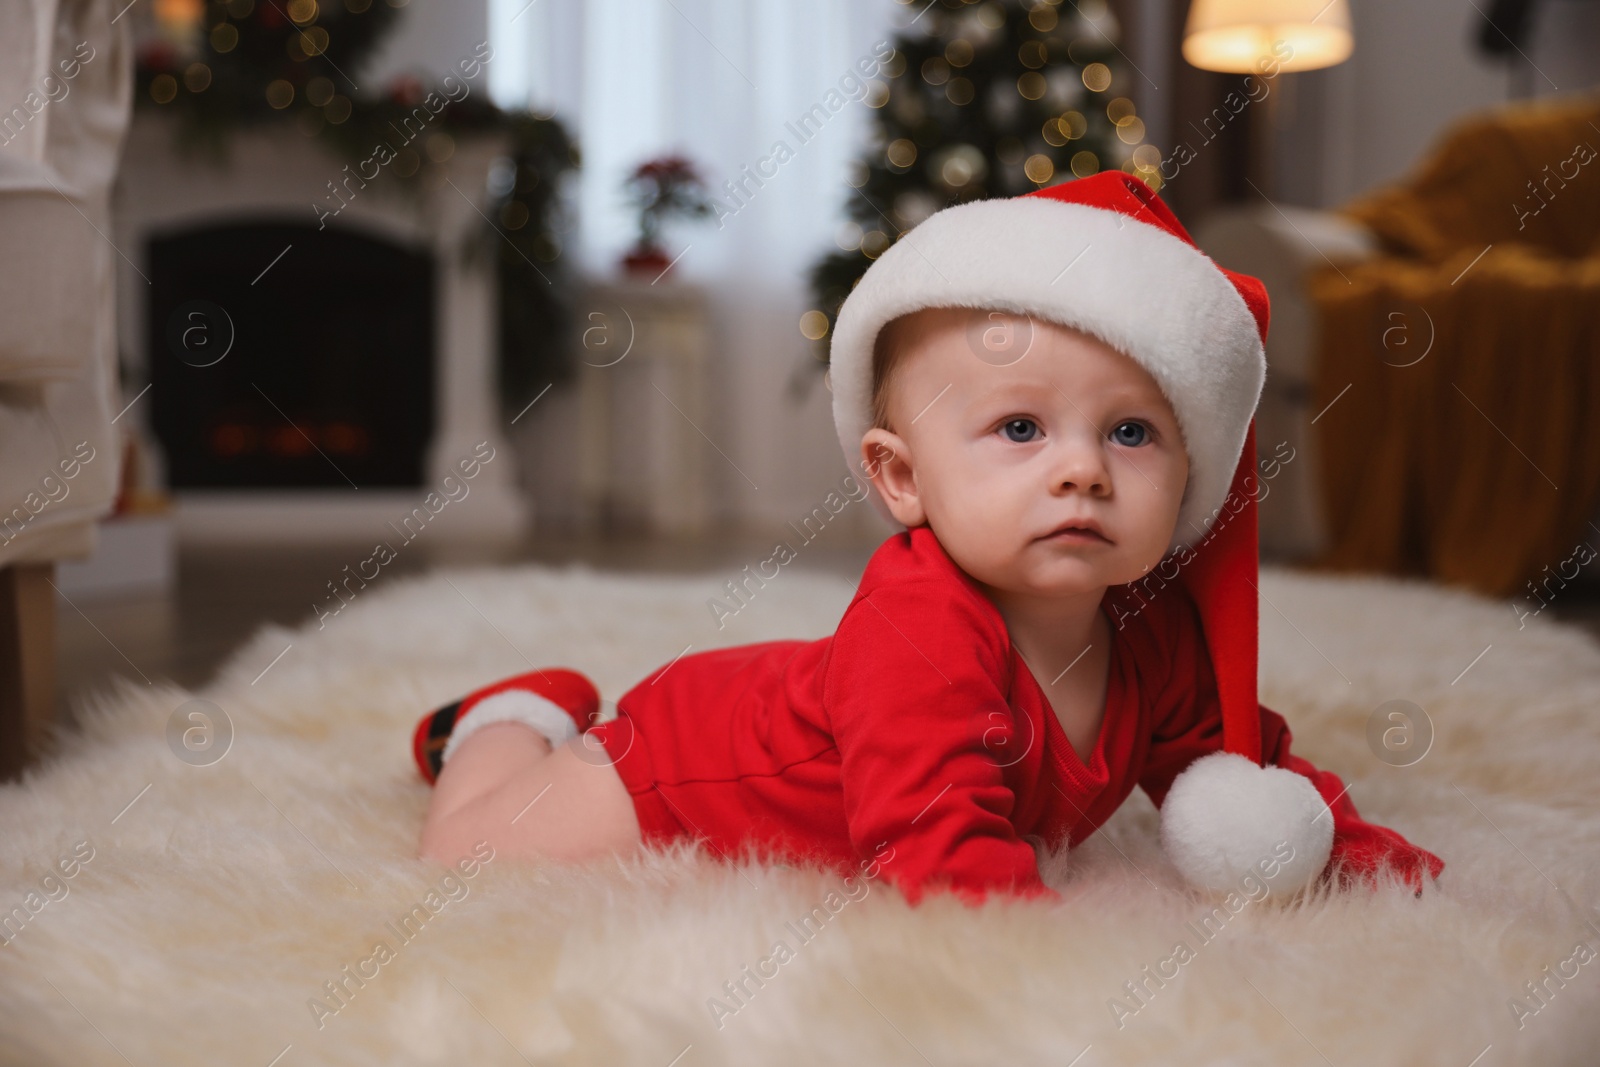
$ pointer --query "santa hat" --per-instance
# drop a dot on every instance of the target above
(1105, 255)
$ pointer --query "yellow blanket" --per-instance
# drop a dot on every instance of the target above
(1462, 365)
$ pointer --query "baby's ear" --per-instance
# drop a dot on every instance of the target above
(887, 463)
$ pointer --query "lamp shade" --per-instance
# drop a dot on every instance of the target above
(1241, 36)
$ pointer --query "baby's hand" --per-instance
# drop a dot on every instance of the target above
(1362, 851)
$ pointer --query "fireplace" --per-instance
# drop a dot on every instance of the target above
(361, 371)
(307, 367)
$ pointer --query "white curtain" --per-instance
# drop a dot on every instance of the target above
(720, 82)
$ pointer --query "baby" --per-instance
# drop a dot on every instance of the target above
(1023, 653)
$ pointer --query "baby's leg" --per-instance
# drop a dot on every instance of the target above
(504, 785)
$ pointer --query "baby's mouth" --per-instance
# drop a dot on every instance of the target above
(1077, 537)
(1084, 533)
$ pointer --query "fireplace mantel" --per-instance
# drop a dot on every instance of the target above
(278, 174)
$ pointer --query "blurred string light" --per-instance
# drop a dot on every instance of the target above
(319, 91)
(814, 325)
(178, 20)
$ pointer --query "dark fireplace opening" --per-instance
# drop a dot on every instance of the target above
(285, 356)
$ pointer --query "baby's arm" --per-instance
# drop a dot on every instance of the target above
(912, 689)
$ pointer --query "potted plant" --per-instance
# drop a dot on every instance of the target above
(660, 189)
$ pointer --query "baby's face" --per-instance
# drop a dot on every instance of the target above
(1008, 428)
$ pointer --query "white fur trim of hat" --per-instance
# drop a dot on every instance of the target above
(1136, 286)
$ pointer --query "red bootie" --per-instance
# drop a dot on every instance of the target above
(569, 690)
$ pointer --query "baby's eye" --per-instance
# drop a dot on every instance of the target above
(1020, 431)
(1131, 434)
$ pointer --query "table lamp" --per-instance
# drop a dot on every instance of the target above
(1267, 38)
(1236, 36)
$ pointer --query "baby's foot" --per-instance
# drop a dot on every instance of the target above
(557, 702)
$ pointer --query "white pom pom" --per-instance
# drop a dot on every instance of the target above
(1225, 818)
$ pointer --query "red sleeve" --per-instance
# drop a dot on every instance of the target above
(914, 680)
(1189, 725)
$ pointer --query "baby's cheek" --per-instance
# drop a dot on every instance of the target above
(986, 522)
(989, 549)
(983, 550)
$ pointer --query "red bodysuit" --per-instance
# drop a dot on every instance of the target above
(917, 734)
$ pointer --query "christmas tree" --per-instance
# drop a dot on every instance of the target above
(982, 100)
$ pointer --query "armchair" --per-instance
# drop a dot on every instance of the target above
(65, 89)
(1434, 358)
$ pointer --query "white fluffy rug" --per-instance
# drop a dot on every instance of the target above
(214, 909)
